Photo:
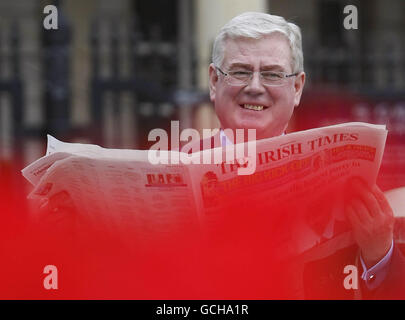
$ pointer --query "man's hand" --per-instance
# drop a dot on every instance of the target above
(372, 220)
(57, 207)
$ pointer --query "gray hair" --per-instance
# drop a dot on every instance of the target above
(257, 25)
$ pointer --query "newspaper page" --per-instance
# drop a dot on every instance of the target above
(295, 180)
(116, 189)
(297, 185)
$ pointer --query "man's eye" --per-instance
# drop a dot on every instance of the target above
(271, 75)
(240, 73)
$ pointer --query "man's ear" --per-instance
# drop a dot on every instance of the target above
(298, 87)
(213, 78)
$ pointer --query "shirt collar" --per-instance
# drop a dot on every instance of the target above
(225, 140)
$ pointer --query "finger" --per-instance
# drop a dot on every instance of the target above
(43, 207)
(365, 194)
(60, 197)
(382, 201)
(43, 203)
(61, 200)
(353, 217)
(361, 211)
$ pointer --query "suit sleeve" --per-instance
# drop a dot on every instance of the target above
(393, 286)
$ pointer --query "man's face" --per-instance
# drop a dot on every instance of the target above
(271, 52)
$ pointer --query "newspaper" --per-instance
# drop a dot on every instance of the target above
(123, 189)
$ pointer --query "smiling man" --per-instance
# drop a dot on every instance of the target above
(256, 79)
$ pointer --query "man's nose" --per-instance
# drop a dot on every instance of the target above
(255, 85)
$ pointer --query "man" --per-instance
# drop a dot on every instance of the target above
(256, 80)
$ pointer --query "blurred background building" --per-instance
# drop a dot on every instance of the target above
(114, 70)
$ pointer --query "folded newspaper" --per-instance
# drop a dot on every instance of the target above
(117, 187)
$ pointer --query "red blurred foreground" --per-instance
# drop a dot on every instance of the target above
(241, 258)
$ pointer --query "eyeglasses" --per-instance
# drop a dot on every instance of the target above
(267, 78)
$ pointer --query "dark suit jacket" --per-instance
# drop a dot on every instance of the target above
(323, 278)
